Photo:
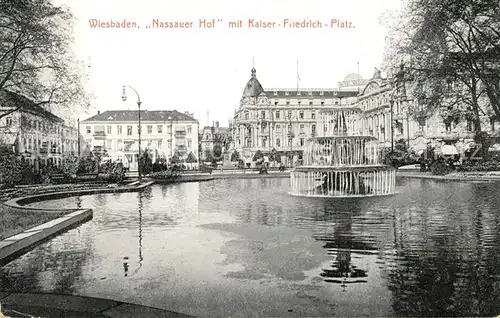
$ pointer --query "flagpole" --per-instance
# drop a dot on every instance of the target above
(298, 78)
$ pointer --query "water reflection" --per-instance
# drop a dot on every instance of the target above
(432, 250)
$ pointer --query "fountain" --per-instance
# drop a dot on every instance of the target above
(339, 163)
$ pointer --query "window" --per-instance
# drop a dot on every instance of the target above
(277, 114)
(469, 125)
(129, 130)
(89, 130)
(108, 130)
(301, 128)
(246, 116)
(189, 130)
(313, 130)
(290, 128)
(160, 143)
(290, 139)
(150, 129)
(447, 126)
(299, 102)
(159, 128)
(278, 142)
(301, 114)
(150, 143)
(263, 114)
(289, 114)
(301, 141)
(190, 143)
(322, 102)
(118, 130)
(29, 143)
(278, 127)
(310, 102)
(313, 115)
(288, 102)
(325, 128)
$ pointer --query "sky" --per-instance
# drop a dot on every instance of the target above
(204, 70)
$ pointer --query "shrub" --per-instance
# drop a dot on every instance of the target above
(440, 167)
(166, 174)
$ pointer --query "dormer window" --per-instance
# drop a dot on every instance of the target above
(298, 93)
(275, 93)
(321, 93)
(287, 93)
(310, 93)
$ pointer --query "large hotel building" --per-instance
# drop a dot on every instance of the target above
(281, 120)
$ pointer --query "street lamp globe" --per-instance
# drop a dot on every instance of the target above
(124, 96)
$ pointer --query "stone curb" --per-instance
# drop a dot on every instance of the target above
(16, 245)
(76, 306)
(448, 178)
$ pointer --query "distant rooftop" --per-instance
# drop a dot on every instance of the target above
(146, 115)
(15, 100)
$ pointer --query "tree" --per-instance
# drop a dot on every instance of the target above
(146, 162)
(257, 156)
(235, 156)
(218, 151)
(191, 158)
(176, 158)
(35, 56)
(451, 51)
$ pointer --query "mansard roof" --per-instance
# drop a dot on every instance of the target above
(146, 115)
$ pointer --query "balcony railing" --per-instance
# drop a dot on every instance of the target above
(99, 134)
(43, 150)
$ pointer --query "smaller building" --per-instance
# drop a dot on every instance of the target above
(214, 142)
(36, 134)
(164, 133)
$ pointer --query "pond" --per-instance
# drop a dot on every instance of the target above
(232, 247)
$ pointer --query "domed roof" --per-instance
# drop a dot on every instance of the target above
(352, 77)
(253, 88)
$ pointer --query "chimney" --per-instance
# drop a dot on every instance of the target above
(216, 124)
(98, 112)
(213, 124)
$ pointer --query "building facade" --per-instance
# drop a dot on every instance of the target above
(163, 134)
(36, 134)
(281, 119)
(383, 101)
(212, 137)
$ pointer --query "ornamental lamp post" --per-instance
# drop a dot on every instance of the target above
(124, 98)
(171, 137)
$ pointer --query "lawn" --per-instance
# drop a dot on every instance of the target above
(13, 222)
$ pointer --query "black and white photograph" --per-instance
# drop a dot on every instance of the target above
(249, 158)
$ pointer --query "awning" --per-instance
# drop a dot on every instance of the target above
(449, 150)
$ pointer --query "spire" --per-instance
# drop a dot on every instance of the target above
(253, 68)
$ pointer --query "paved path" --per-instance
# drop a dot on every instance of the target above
(54, 305)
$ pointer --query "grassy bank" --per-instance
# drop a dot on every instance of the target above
(13, 222)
